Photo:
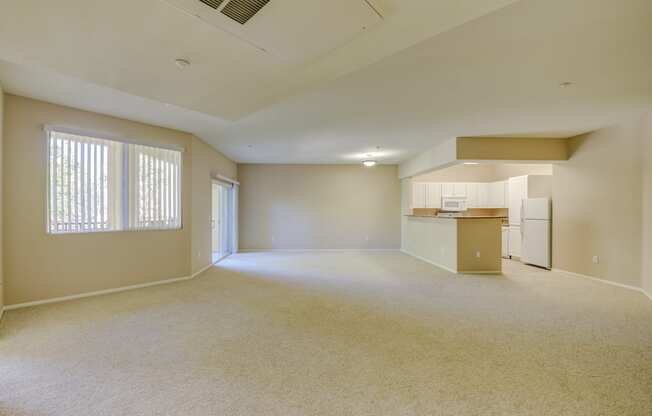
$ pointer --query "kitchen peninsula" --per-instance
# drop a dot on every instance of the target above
(460, 244)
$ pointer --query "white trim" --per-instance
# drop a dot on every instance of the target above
(227, 179)
(202, 270)
(221, 258)
(441, 266)
(316, 250)
(609, 282)
(105, 291)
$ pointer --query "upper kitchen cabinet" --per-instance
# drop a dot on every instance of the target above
(433, 195)
(496, 195)
(473, 195)
(419, 194)
(426, 195)
(486, 195)
(453, 190)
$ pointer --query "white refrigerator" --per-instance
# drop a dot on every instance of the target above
(535, 232)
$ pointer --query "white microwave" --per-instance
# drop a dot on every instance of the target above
(449, 203)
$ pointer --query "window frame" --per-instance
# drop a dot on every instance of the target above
(123, 225)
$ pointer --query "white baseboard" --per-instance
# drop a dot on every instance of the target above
(105, 291)
(203, 269)
(316, 250)
(441, 266)
(605, 281)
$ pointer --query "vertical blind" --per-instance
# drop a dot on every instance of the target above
(154, 187)
(104, 185)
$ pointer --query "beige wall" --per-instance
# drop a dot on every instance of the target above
(460, 173)
(319, 207)
(484, 172)
(1, 198)
(206, 163)
(511, 148)
(505, 171)
(41, 266)
(646, 266)
(597, 205)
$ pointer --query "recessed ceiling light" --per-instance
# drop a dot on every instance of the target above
(369, 163)
(471, 163)
(182, 63)
(565, 84)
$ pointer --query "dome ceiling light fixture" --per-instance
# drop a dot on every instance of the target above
(182, 63)
(370, 162)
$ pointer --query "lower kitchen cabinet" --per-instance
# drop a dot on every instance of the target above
(505, 242)
(515, 241)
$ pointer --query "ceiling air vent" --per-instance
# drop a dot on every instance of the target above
(243, 10)
(212, 3)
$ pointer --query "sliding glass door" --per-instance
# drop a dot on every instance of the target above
(222, 223)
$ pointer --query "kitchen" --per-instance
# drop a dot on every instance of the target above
(465, 218)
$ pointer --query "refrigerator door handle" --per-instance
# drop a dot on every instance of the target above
(522, 218)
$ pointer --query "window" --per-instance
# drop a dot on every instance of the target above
(104, 185)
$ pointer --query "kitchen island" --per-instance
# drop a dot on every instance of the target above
(464, 244)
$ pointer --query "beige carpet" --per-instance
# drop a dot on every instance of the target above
(335, 334)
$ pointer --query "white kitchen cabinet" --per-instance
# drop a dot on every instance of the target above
(460, 189)
(447, 189)
(451, 189)
(433, 195)
(426, 195)
(505, 241)
(419, 193)
(496, 195)
(472, 195)
(484, 195)
(515, 241)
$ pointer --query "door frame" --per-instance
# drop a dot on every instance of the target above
(232, 188)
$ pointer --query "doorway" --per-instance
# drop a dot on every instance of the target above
(222, 219)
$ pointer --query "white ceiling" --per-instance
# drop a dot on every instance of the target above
(430, 70)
